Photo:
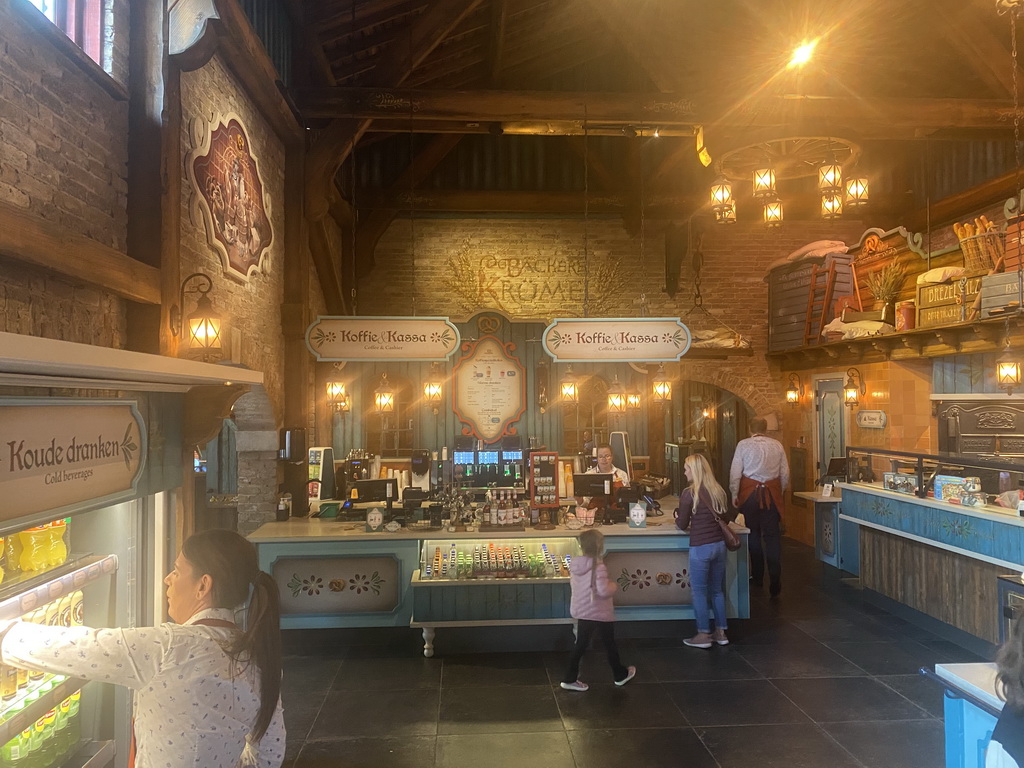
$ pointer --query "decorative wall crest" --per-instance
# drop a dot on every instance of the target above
(229, 189)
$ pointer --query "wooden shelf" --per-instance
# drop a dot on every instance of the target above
(977, 337)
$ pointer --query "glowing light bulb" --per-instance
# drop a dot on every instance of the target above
(802, 54)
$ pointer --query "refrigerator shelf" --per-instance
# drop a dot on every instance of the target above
(93, 754)
(18, 722)
(24, 595)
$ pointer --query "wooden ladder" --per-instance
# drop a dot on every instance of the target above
(822, 284)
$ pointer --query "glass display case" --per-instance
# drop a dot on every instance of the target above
(966, 480)
(443, 560)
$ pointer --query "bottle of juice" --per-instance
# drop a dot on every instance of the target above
(12, 553)
(8, 682)
(58, 550)
(63, 727)
(2, 550)
(15, 751)
(35, 546)
(48, 750)
(74, 723)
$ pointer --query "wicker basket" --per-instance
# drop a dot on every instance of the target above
(981, 252)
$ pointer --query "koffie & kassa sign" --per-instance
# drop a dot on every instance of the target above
(56, 454)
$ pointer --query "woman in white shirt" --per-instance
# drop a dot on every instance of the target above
(207, 692)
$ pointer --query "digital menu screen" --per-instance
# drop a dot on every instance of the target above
(487, 457)
(464, 457)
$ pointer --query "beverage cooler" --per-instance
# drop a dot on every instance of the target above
(1011, 603)
(89, 483)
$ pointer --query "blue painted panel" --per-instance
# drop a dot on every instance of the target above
(849, 547)
(492, 604)
(543, 597)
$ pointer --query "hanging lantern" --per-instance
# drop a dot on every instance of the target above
(1008, 369)
(433, 388)
(569, 388)
(722, 201)
(764, 182)
(831, 205)
(854, 386)
(773, 213)
(616, 397)
(338, 397)
(633, 400)
(830, 176)
(856, 192)
(384, 396)
(795, 389)
(661, 387)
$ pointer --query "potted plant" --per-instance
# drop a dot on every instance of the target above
(885, 284)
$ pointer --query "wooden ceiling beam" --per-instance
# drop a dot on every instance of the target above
(374, 14)
(496, 57)
(980, 49)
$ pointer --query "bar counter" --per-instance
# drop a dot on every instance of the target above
(336, 574)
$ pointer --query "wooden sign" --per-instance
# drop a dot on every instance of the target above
(229, 190)
(604, 340)
(871, 419)
(333, 339)
(68, 452)
(943, 304)
(490, 389)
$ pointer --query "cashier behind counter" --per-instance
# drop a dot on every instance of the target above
(620, 481)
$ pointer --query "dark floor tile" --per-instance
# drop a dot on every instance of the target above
(400, 714)
(926, 693)
(912, 744)
(689, 664)
(839, 699)
(951, 653)
(637, 705)
(300, 712)
(504, 750)
(307, 675)
(406, 752)
(833, 629)
(733, 702)
(798, 661)
(510, 709)
(647, 747)
(775, 746)
(766, 631)
(389, 674)
(900, 658)
(494, 670)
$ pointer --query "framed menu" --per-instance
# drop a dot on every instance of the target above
(489, 394)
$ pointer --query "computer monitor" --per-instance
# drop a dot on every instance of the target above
(593, 485)
(383, 489)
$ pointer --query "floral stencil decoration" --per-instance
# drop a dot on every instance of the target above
(683, 579)
(640, 579)
(310, 586)
(371, 583)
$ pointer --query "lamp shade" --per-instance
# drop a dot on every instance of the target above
(793, 395)
(830, 176)
(632, 400)
(616, 397)
(773, 213)
(661, 387)
(433, 387)
(1008, 372)
(831, 205)
(856, 192)
(569, 388)
(384, 397)
(721, 193)
(854, 386)
(337, 396)
(764, 182)
(204, 330)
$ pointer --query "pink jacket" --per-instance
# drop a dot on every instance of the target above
(592, 604)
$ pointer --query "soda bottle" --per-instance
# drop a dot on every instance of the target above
(2, 550)
(8, 682)
(77, 608)
(15, 751)
(74, 723)
(48, 749)
(61, 729)
(58, 550)
(12, 553)
(35, 555)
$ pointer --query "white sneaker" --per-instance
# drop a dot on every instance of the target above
(630, 674)
(579, 685)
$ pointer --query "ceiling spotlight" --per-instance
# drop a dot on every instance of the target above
(802, 54)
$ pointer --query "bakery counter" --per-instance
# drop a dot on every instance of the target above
(336, 574)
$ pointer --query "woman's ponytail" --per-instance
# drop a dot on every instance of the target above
(261, 642)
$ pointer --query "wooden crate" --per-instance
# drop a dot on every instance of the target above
(998, 291)
(789, 291)
(938, 303)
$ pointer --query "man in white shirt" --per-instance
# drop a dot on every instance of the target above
(758, 480)
(605, 466)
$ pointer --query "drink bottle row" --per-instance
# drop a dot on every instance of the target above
(495, 562)
(47, 741)
(35, 549)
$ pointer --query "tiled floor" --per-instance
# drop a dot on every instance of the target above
(818, 678)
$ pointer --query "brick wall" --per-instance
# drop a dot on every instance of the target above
(63, 158)
(251, 308)
(535, 269)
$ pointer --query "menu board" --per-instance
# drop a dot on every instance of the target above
(490, 388)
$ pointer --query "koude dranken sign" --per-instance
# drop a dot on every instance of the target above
(63, 452)
(490, 388)
(647, 339)
(333, 339)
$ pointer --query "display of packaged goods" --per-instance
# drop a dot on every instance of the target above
(513, 559)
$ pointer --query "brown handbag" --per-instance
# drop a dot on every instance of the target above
(732, 540)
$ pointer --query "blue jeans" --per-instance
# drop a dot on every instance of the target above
(707, 573)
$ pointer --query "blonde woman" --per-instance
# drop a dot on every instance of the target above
(1006, 750)
(593, 610)
(698, 507)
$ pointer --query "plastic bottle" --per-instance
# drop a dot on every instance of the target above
(15, 751)
(58, 546)
(35, 548)
(74, 722)
(12, 553)
(48, 749)
(61, 725)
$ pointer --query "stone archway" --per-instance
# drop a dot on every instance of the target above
(257, 444)
(737, 379)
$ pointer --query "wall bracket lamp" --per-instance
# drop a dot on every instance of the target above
(384, 396)
(795, 391)
(433, 389)
(338, 397)
(661, 387)
(569, 388)
(203, 327)
(1008, 367)
(854, 386)
(616, 397)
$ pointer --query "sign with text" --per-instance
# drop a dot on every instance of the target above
(646, 339)
(871, 419)
(333, 339)
(62, 453)
(490, 389)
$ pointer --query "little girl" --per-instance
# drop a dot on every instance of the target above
(592, 608)
(1006, 750)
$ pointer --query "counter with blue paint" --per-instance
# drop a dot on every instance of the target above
(335, 574)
